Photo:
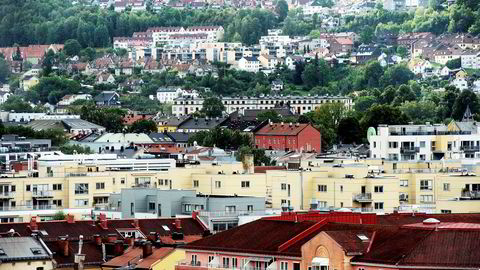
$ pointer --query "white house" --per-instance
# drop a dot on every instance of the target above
(460, 83)
(470, 59)
(168, 94)
(105, 78)
(250, 64)
(277, 86)
(4, 95)
(69, 99)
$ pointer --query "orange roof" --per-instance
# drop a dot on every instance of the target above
(345, 41)
(285, 129)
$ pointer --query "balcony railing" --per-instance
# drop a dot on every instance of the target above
(42, 194)
(472, 195)
(7, 195)
(28, 207)
(409, 150)
(363, 197)
(470, 148)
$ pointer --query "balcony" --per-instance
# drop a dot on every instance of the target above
(409, 150)
(42, 194)
(470, 195)
(7, 195)
(363, 197)
(28, 207)
(470, 148)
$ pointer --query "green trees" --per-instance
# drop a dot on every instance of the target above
(349, 130)
(75, 149)
(396, 75)
(110, 118)
(222, 138)
(466, 98)
(281, 8)
(454, 63)
(213, 107)
(259, 157)
(48, 62)
(52, 89)
(16, 104)
(382, 114)
(143, 126)
(4, 70)
(327, 118)
(269, 115)
(72, 47)
(316, 74)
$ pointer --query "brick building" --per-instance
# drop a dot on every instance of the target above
(288, 137)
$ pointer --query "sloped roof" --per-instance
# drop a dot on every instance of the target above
(278, 129)
(125, 138)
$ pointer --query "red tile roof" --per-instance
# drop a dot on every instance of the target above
(283, 130)
(410, 218)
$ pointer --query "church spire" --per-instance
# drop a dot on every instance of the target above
(467, 116)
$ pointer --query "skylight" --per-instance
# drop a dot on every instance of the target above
(165, 228)
(362, 237)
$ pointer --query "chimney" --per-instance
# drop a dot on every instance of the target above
(194, 215)
(103, 221)
(118, 248)
(129, 240)
(70, 219)
(33, 224)
(178, 223)
(111, 238)
(98, 239)
(147, 249)
(152, 237)
(63, 246)
(136, 224)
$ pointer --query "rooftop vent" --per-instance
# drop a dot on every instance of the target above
(431, 221)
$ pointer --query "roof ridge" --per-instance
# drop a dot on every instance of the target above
(302, 235)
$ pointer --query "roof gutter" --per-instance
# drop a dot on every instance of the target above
(411, 266)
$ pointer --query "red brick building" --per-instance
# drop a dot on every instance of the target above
(288, 137)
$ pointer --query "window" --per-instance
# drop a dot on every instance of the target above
(13, 188)
(426, 198)
(426, 184)
(187, 208)
(379, 206)
(378, 189)
(322, 188)
(210, 258)
(160, 182)
(57, 186)
(81, 203)
(195, 183)
(226, 262)
(392, 144)
(234, 263)
(446, 211)
(13, 203)
(151, 206)
(322, 204)
(194, 259)
(404, 183)
(81, 188)
(245, 184)
(218, 184)
(57, 202)
(122, 180)
(250, 208)
(446, 186)
(132, 209)
(283, 202)
(422, 144)
(283, 265)
(230, 208)
(100, 185)
(27, 187)
(283, 186)
(341, 188)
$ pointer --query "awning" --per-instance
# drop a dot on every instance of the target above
(320, 261)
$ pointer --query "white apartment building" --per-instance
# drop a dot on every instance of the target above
(167, 35)
(298, 104)
(471, 59)
(457, 140)
(69, 99)
(250, 64)
(168, 94)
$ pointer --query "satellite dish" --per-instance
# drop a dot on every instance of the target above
(371, 132)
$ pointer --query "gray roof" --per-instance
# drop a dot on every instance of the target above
(66, 124)
(105, 96)
(202, 123)
(23, 249)
(179, 137)
(160, 137)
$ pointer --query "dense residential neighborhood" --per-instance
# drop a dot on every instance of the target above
(239, 134)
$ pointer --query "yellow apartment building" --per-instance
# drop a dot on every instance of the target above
(365, 185)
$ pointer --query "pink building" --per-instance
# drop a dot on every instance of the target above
(325, 242)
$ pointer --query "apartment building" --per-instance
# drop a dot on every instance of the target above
(298, 104)
(345, 241)
(168, 35)
(457, 140)
(381, 186)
